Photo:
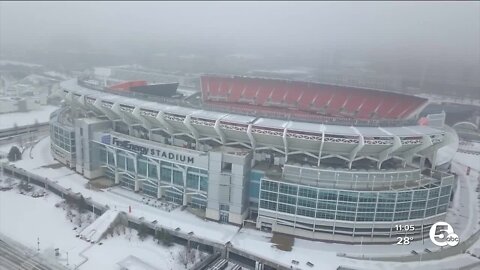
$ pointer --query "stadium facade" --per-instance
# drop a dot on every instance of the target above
(317, 161)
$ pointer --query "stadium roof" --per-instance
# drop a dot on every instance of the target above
(345, 130)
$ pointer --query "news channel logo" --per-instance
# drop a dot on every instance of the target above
(442, 234)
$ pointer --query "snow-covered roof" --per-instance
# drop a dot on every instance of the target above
(134, 263)
(210, 115)
(271, 123)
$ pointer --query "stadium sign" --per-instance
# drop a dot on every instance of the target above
(147, 150)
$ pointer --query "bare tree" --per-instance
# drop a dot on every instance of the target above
(186, 256)
(182, 257)
(69, 214)
(79, 220)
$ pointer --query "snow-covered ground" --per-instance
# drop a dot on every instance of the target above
(42, 115)
(18, 63)
(56, 74)
(321, 254)
(443, 98)
(28, 219)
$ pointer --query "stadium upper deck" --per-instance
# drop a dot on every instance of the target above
(347, 142)
(308, 98)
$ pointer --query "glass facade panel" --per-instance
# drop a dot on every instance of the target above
(142, 167)
(178, 178)
(111, 159)
(166, 174)
(307, 192)
(271, 196)
(383, 216)
(305, 212)
(268, 205)
(121, 161)
(287, 199)
(307, 202)
(327, 195)
(445, 190)
(285, 208)
(364, 217)
(253, 189)
(193, 181)
(63, 138)
(103, 154)
(343, 206)
(288, 189)
(152, 170)
(419, 195)
(362, 206)
(150, 189)
(130, 166)
(444, 200)
(204, 183)
(433, 193)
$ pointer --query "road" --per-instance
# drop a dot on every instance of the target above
(14, 256)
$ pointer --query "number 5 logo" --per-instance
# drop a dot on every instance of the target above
(442, 234)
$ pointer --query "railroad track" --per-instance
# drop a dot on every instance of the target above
(15, 257)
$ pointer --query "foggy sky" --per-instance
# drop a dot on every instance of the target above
(450, 29)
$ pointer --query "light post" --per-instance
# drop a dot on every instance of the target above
(361, 247)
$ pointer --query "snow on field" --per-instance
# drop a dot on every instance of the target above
(42, 115)
(256, 242)
(27, 219)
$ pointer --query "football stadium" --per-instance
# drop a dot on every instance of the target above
(324, 162)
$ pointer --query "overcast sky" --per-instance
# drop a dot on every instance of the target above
(442, 27)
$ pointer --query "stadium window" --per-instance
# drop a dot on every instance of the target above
(103, 155)
(111, 159)
(178, 178)
(203, 183)
(142, 167)
(152, 171)
(120, 161)
(130, 166)
(166, 174)
(226, 167)
(192, 181)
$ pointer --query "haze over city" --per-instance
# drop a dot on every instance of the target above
(301, 30)
(240, 135)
